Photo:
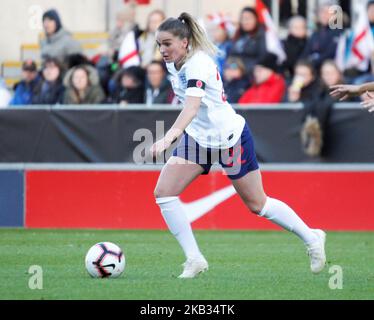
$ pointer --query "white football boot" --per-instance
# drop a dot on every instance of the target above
(316, 252)
(193, 267)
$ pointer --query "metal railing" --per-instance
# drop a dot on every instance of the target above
(161, 107)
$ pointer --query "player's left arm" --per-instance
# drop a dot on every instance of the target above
(188, 113)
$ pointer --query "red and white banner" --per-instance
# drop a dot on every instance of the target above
(356, 47)
(128, 53)
(139, 2)
(124, 200)
(273, 42)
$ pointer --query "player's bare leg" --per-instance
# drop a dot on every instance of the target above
(251, 191)
(176, 175)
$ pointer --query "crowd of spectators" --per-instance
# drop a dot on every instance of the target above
(251, 74)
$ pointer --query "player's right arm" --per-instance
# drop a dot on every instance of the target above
(188, 113)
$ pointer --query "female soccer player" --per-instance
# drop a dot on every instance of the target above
(345, 91)
(212, 131)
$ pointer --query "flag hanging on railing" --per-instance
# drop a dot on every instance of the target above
(128, 53)
(273, 42)
(356, 46)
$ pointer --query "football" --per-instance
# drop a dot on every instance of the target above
(105, 260)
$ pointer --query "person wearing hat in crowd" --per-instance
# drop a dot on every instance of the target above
(58, 43)
(30, 84)
(235, 80)
(128, 86)
(269, 86)
(52, 89)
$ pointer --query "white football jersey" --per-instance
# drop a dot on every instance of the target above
(216, 124)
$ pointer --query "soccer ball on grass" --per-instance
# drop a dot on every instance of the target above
(105, 260)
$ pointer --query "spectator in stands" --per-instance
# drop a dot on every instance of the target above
(78, 59)
(305, 85)
(125, 22)
(52, 89)
(139, 47)
(295, 43)
(307, 88)
(269, 86)
(249, 41)
(235, 80)
(221, 30)
(129, 86)
(147, 39)
(58, 42)
(158, 87)
(5, 95)
(323, 42)
(30, 84)
(330, 74)
(82, 86)
(107, 61)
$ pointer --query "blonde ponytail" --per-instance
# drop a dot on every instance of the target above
(198, 37)
(187, 27)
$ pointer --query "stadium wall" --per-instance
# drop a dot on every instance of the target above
(115, 134)
(332, 197)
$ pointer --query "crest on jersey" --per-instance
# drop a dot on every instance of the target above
(183, 79)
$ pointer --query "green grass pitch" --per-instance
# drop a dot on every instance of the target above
(243, 265)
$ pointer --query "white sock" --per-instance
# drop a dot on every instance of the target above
(282, 215)
(178, 224)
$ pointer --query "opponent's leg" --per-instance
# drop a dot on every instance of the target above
(176, 175)
(251, 191)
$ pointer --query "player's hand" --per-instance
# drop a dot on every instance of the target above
(159, 147)
(344, 91)
(368, 102)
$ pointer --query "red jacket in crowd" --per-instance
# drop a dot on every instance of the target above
(270, 91)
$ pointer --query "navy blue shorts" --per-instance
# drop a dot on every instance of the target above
(237, 161)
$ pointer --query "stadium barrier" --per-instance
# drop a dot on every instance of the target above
(110, 134)
(120, 196)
